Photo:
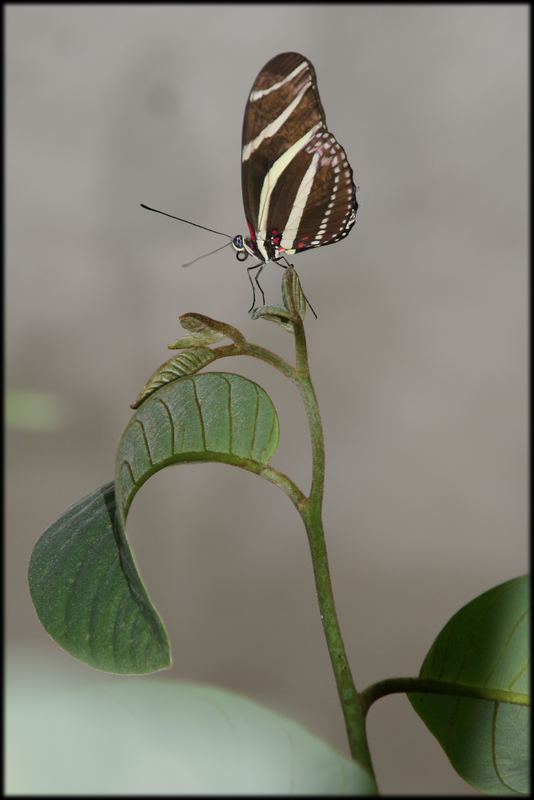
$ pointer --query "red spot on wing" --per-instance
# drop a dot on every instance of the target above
(276, 237)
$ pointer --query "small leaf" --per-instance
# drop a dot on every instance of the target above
(82, 597)
(277, 314)
(281, 315)
(200, 339)
(196, 323)
(186, 363)
(291, 283)
(204, 330)
(485, 645)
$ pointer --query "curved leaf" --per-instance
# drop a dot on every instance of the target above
(216, 416)
(282, 314)
(81, 595)
(204, 331)
(291, 283)
(83, 578)
(485, 645)
(278, 314)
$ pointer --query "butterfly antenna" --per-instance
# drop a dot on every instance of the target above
(157, 211)
(206, 254)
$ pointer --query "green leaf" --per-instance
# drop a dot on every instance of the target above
(291, 282)
(281, 315)
(82, 597)
(83, 578)
(215, 416)
(204, 331)
(277, 314)
(193, 360)
(195, 339)
(155, 737)
(485, 645)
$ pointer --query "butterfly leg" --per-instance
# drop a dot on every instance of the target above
(284, 266)
(259, 267)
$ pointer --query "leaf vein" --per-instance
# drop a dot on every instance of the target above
(199, 408)
(171, 424)
(141, 424)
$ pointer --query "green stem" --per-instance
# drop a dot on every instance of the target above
(284, 483)
(351, 703)
(248, 349)
(310, 509)
(311, 513)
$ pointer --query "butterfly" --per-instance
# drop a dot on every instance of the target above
(297, 183)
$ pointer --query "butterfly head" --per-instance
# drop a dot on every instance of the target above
(241, 250)
(245, 248)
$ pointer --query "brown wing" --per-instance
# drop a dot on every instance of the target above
(297, 184)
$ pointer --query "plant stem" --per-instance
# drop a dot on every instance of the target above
(254, 350)
(311, 513)
(351, 702)
(309, 508)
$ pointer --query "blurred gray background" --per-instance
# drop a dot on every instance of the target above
(419, 355)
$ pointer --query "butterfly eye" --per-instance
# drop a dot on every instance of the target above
(241, 252)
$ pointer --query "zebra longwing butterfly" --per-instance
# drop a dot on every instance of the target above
(298, 189)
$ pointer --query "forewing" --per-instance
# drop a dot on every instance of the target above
(283, 100)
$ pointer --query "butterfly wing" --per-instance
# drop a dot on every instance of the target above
(298, 189)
